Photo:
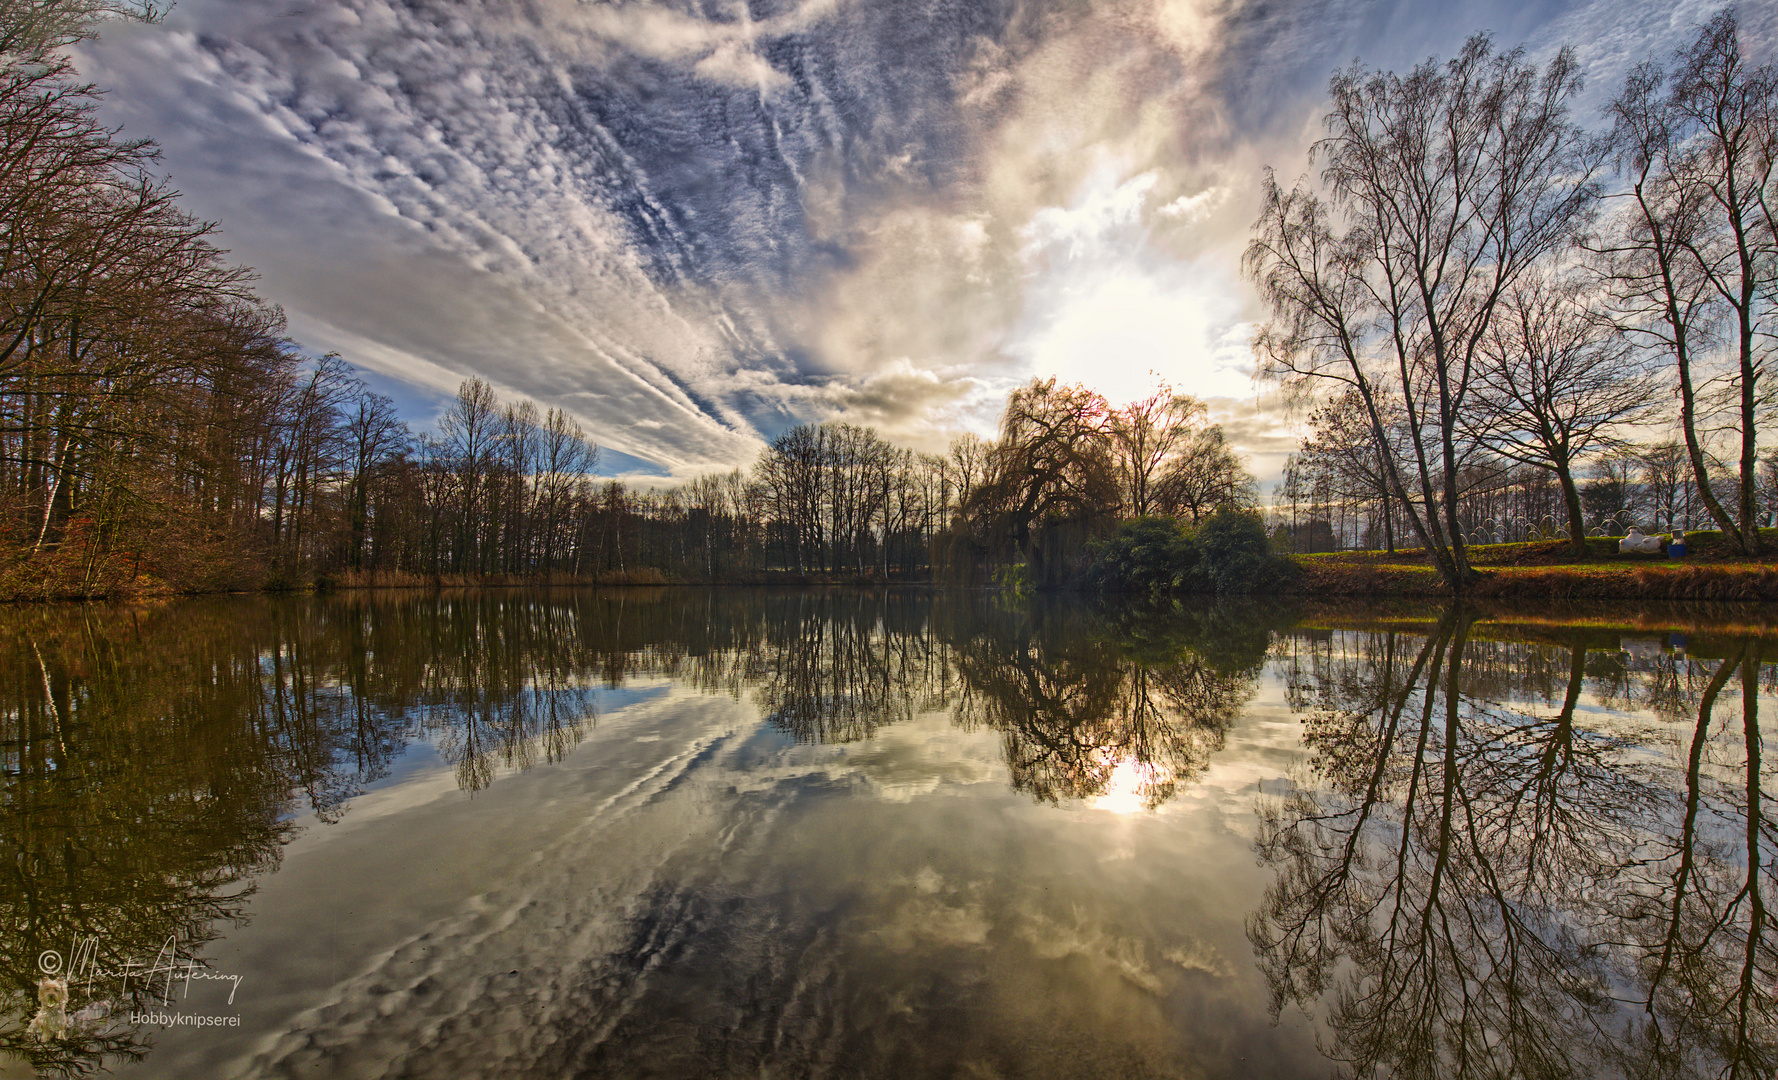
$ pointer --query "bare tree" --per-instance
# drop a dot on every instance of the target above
(1204, 476)
(1443, 188)
(965, 466)
(1051, 470)
(375, 439)
(1691, 257)
(469, 434)
(790, 474)
(1341, 443)
(31, 28)
(1146, 436)
(1555, 384)
(565, 459)
(310, 451)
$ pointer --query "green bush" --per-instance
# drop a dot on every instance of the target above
(1147, 555)
(1235, 554)
(1013, 579)
(1229, 553)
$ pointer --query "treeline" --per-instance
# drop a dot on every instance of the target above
(1064, 470)
(501, 490)
(1507, 324)
(1331, 497)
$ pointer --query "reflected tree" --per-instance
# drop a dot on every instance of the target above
(157, 759)
(849, 664)
(1086, 707)
(138, 806)
(1697, 913)
(1485, 876)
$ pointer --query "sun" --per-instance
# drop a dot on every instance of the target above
(1125, 790)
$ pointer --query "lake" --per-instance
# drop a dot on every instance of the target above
(715, 833)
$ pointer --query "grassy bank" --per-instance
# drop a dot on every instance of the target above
(1553, 570)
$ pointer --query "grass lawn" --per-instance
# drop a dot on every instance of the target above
(1552, 568)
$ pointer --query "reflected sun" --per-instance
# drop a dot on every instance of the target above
(1124, 790)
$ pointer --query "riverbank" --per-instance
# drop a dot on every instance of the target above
(145, 587)
(1550, 569)
(1699, 627)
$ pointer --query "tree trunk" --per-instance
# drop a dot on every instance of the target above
(1577, 526)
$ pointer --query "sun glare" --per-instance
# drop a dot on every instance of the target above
(1109, 308)
(1123, 792)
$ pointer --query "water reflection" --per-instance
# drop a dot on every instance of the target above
(1124, 708)
(1536, 849)
(143, 790)
(835, 667)
(1486, 874)
(156, 758)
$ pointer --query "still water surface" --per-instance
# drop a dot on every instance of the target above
(720, 833)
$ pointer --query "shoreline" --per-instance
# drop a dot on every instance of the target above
(395, 582)
(1549, 570)
(1546, 570)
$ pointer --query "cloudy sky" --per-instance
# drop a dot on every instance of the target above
(694, 224)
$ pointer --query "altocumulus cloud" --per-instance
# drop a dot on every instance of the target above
(694, 224)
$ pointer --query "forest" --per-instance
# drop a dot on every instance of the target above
(1492, 322)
